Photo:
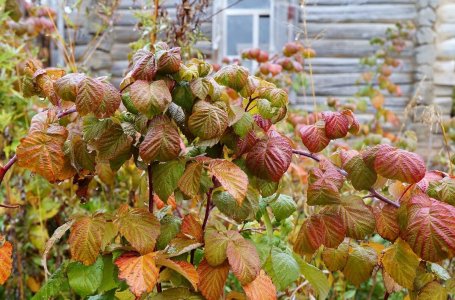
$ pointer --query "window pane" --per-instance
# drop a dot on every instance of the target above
(264, 32)
(249, 3)
(239, 34)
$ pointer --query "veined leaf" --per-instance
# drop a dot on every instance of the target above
(42, 153)
(432, 291)
(215, 247)
(55, 285)
(269, 159)
(360, 264)
(207, 121)
(85, 280)
(139, 227)
(212, 279)
(316, 278)
(401, 263)
(336, 125)
(144, 65)
(430, 228)
(6, 261)
(361, 176)
(192, 228)
(86, 238)
(184, 268)
(89, 96)
(170, 226)
(110, 101)
(319, 229)
(335, 259)
(140, 272)
(162, 141)
(166, 177)
(283, 207)
(284, 269)
(233, 76)
(399, 164)
(386, 217)
(150, 99)
(190, 181)
(67, 86)
(231, 177)
(261, 288)
(243, 259)
(314, 137)
(168, 61)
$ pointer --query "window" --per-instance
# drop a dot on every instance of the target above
(245, 24)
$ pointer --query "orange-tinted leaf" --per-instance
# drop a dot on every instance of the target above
(399, 164)
(162, 141)
(336, 124)
(324, 186)
(110, 101)
(150, 99)
(90, 94)
(233, 76)
(86, 238)
(261, 288)
(192, 228)
(360, 264)
(140, 227)
(184, 268)
(270, 158)
(231, 177)
(215, 247)
(140, 272)
(67, 86)
(387, 221)
(212, 279)
(207, 121)
(6, 261)
(42, 152)
(168, 61)
(314, 137)
(190, 181)
(243, 259)
(317, 230)
(335, 259)
(144, 65)
(430, 228)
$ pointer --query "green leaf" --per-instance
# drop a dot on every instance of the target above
(67, 86)
(170, 226)
(215, 247)
(360, 175)
(110, 275)
(230, 207)
(166, 177)
(443, 190)
(150, 99)
(243, 125)
(335, 259)
(360, 264)
(401, 263)
(207, 121)
(182, 96)
(284, 269)
(85, 280)
(315, 277)
(233, 76)
(179, 293)
(283, 207)
(55, 285)
(77, 151)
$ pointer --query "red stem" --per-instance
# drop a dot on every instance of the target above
(373, 192)
(207, 209)
(150, 181)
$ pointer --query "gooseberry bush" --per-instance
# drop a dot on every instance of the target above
(218, 222)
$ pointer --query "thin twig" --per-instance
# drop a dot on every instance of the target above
(207, 209)
(150, 182)
(373, 192)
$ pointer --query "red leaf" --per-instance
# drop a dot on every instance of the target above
(393, 163)
(317, 230)
(430, 228)
(270, 158)
(263, 123)
(6, 261)
(336, 125)
(212, 279)
(314, 137)
(243, 258)
(387, 221)
(192, 228)
(144, 65)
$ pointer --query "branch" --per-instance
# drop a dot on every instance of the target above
(150, 182)
(373, 192)
(207, 209)
(66, 112)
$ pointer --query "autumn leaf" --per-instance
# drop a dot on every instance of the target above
(261, 288)
(6, 261)
(270, 158)
(67, 86)
(89, 96)
(190, 181)
(162, 141)
(184, 268)
(192, 228)
(314, 136)
(243, 259)
(360, 264)
(168, 61)
(139, 227)
(317, 230)
(150, 99)
(42, 152)
(215, 247)
(207, 121)
(336, 124)
(110, 101)
(144, 65)
(212, 279)
(402, 165)
(140, 272)
(86, 238)
(233, 76)
(401, 263)
(430, 228)
(335, 259)
(231, 177)
(361, 176)
(386, 217)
